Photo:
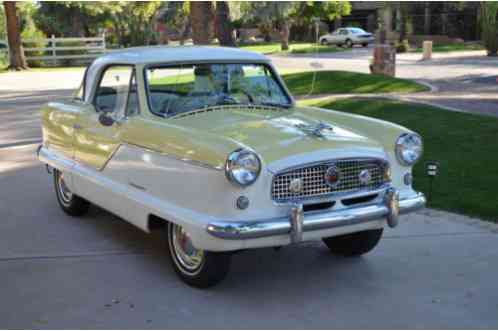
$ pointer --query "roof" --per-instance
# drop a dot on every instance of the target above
(166, 54)
(157, 54)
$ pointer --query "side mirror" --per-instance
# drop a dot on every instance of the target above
(105, 119)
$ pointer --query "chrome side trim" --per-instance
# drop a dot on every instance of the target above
(186, 160)
(313, 221)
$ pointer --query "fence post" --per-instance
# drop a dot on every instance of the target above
(103, 42)
(54, 54)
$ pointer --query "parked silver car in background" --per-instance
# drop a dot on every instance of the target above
(348, 37)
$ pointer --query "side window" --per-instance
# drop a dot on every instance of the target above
(132, 107)
(344, 32)
(112, 93)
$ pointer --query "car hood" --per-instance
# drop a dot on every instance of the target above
(281, 134)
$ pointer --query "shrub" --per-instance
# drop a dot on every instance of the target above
(3, 59)
(402, 47)
(31, 32)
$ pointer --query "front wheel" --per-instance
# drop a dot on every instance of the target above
(354, 244)
(364, 45)
(349, 43)
(70, 203)
(323, 42)
(196, 267)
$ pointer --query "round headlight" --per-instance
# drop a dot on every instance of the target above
(242, 167)
(408, 148)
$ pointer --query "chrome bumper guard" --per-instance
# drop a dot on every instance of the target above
(298, 222)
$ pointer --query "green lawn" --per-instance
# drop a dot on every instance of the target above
(463, 144)
(445, 48)
(295, 48)
(348, 82)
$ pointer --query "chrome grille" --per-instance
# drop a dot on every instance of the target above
(314, 184)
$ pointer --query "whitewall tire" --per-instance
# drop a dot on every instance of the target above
(70, 203)
(196, 267)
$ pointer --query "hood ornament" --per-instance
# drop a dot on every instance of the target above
(318, 130)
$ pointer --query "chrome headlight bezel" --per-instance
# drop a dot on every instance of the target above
(235, 171)
(409, 148)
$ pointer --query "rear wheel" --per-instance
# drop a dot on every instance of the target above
(196, 267)
(349, 43)
(364, 45)
(354, 244)
(324, 42)
(70, 203)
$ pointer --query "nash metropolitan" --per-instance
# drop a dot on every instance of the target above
(208, 144)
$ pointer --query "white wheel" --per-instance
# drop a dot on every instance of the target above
(69, 202)
(196, 267)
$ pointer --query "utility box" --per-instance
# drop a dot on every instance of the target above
(427, 48)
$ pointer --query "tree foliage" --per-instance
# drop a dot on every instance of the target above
(281, 15)
(129, 20)
(3, 31)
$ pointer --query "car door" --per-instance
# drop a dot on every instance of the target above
(343, 35)
(95, 143)
(58, 121)
(333, 37)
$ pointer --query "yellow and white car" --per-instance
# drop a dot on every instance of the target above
(208, 144)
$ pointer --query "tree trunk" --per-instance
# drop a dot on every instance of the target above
(162, 30)
(427, 18)
(284, 35)
(489, 26)
(224, 24)
(77, 27)
(17, 58)
(201, 17)
(444, 19)
(185, 31)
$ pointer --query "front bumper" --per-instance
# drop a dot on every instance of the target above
(298, 222)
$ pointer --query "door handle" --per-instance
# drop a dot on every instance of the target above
(76, 126)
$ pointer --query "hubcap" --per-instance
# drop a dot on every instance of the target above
(64, 192)
(189, 257)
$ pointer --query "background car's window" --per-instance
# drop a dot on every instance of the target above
(112, 92)
(177, 89)
(344, 32)
(357, 31)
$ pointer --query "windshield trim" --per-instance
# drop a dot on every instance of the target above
(265, 63)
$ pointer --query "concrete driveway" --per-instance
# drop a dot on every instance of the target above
(436, 270)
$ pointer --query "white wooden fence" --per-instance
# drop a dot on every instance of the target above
(54, 49)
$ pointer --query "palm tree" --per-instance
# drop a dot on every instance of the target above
(275, 14)
(201, 18)
(223, 24)
(17, 58)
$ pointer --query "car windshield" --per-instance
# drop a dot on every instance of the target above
(182, 88)
(357, 31)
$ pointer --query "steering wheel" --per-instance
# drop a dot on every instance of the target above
(249, 96)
